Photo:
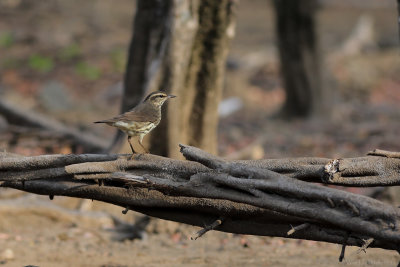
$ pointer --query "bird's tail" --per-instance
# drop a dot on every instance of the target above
(117, 142)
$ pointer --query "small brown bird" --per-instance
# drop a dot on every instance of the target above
(140, 120)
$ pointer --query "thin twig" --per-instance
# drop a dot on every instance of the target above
(384, 153)
(125, 211)
(341, 257)
(209, 227)
(366, 244)
(298, 228)
(331, 203)
(352, 207)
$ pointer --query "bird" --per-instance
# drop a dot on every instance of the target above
(141, 119)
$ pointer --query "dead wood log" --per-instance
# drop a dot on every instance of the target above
(264, 197)
(18, 116)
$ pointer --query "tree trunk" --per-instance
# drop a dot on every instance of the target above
(180, 47)
(298, 50)
(149, 27)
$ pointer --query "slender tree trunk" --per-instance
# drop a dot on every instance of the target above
(298, 50)
(149, 27)
(206, 72)
(180, 47)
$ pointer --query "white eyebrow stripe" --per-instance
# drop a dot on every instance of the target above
(158, 94)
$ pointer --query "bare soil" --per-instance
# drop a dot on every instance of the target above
(45, 235)
(87, 42)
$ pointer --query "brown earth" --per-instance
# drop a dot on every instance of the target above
(86, 43)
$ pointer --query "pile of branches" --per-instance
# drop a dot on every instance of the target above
(269, 197)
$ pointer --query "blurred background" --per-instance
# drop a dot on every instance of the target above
(62, 66)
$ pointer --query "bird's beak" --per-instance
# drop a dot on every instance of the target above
(171, 96)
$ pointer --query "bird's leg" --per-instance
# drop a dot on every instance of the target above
(129, 140)
(140, 143)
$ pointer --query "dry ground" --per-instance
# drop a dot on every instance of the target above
(85, 43)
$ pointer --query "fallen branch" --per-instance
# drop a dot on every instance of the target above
(264, 197)
(17, 116)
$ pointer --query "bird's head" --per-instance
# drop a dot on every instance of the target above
(157, 98)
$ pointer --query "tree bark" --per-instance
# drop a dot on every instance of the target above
(398, 16)
(265, 197)
(150, 25)
(180, 47)
(299, 58)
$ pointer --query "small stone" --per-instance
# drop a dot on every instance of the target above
(229, 106)
(7, 254)
(54, 97)
(257, 152)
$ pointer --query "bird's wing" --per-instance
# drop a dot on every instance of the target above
(132, 115)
